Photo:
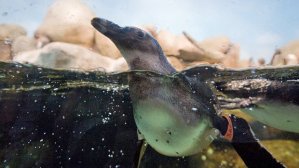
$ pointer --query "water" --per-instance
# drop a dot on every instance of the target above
(56, 118)
(64, 119)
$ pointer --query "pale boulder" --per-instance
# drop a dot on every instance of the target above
(151, 29)
(176, 63)
(194, 64)
(222, 50)
(22, 44)
(291, 59)
(211, 50)
(245, 63)
(232, 57)
(287, 55)
(105, 46)
(8, 33)
(11, 31)
(5, 51)
(60, 55)
(177, 46)
(261, 62)
(67, 21)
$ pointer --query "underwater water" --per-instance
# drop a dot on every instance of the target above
(58, 118)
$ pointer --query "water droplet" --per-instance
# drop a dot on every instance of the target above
(194, 109)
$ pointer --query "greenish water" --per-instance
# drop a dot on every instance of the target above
(57, 118)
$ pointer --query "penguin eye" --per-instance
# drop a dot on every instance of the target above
(140, 34)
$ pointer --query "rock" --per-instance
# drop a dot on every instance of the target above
(5, 50)
(67, 21)
(119, 65)
(194, 64)
(222, 50)
(261, 62)
(286, 55)
(22, 44)
(211, 50)
(8, 33)
(105, 46)
(176, 63)
(220, 44)
(69, 56)
(177, 45)
(150, 29)
(291, 59)
(245, 63)
(11, 31)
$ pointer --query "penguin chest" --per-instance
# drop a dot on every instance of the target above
(165, 130)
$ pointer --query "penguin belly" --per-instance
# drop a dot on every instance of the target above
(165, 130)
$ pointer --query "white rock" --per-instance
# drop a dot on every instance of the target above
(69, 56)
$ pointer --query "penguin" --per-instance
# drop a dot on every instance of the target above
(177, 115)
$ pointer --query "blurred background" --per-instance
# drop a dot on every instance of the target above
(259, 27)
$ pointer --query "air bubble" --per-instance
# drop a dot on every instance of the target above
(194, 109)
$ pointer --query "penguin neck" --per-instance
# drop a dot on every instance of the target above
(154, 63)
(162, 68)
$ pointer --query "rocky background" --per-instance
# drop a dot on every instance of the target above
(66, 40)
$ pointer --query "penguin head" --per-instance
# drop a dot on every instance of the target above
(139, 48)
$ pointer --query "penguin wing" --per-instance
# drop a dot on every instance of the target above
(200, 91)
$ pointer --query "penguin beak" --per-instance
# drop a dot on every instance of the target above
(109, 29)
